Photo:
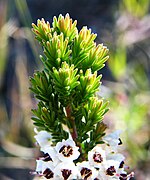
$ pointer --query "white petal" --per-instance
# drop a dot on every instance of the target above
(48, 165)
(66, 167)
(39, 165)
(65, 155)
(43, 138)
(86, 165)
(116, 157)
(113, 136)
(94, 151)
(112, 140)
(110, 163)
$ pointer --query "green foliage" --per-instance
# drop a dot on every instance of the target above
(56, 51)
(42, 31)
(41, 86)
(65, 81)
(50, 117)
(118, 62)
(89, 84)
(92, 112)
(66, 88)
(136, 8)
(66, 26)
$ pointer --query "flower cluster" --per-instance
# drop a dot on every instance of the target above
(60, 161)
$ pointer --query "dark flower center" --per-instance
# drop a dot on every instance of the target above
(66, 151)
(120, 142)
(48, 174)
(66, 173)
(47, 157)
(110, 171)
(97, 158)
(123, 177)
(121, 164)
(85, 173)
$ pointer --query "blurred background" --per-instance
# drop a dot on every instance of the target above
(124, 27)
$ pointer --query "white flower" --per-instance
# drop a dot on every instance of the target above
(51, 154)
(87, 172)
(108, 171)
(103, 176)
(48, 170)
(66, 171)
(96, 157)
(45, 169)
(39, 165)
(113, 140)
(111, 167)
(124, 175)
(116, 157)
(42, 138)
(67, 150)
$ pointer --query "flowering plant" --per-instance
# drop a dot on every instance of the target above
(69, 117)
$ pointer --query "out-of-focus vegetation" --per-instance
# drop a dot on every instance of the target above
(130, 67)
(124, 27)
(16, 129)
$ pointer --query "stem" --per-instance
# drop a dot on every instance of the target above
(73, 131)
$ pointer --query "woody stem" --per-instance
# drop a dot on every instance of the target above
(73, 131)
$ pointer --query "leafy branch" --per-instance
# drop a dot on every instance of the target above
(66, 87)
